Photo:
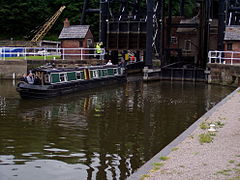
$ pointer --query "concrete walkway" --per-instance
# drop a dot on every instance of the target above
(193, 159)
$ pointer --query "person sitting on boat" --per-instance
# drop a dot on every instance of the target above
(24, 78)
(30, 78)
(37, 80)
(109, 63)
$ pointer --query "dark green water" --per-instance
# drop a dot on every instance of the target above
(105, 133)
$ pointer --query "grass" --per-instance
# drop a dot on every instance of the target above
(164, 158)
(205, 138)
(231, 161)
(34, 57)
(235, 178)
(204, 125)
(219, 124)
(157, 166)
(175, 149)
(225, 172)
(144, 176)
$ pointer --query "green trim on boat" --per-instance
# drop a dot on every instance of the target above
(55, 78)
(71, 76)
(110, 72)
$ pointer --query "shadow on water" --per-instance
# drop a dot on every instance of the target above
(106, 133)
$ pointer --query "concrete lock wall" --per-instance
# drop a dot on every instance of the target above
(11, 69)
(224, 74)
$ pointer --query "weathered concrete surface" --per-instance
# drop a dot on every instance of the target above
(217, 160)
(10, 68)
(224, 74)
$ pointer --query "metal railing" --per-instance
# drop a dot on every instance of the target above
(224, 57)
(50, 53)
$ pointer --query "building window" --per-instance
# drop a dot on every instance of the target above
(229, 46)
(187, 45)
(89, 43)
(174, 40)
(80, 43)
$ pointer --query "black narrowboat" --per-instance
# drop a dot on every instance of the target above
(60, 81)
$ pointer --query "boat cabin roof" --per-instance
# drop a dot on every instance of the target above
(58, 70)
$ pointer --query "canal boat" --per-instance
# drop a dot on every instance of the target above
(59, 81)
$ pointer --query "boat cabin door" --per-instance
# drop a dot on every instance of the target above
(86, 74)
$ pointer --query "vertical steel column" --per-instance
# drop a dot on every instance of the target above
(221, 24)
(149, 41)
(169, 24)
(82, 21)
(103, 21)
(162, 46)
(204, 33)
(182, 3)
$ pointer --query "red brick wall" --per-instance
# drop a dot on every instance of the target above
(75, 43)
(235, 47)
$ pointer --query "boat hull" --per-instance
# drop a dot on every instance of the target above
(28, 91)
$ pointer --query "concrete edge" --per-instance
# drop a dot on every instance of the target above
(145, 169)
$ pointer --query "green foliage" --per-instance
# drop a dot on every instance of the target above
(164, 158)
(219, 124)
(225, 172)
(205, 138)
(21, 18)
(175, 149)
(204, 125)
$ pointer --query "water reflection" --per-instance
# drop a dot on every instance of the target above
(101, 134)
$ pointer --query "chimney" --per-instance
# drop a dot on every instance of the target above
(66, 23)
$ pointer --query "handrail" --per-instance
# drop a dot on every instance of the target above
(224, 57)
(26, 52)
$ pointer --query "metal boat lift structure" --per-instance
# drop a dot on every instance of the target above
(150, 27)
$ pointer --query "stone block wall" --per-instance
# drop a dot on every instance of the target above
(10, 69)
(224, 74)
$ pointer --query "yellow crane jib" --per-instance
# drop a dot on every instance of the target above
(47, 26)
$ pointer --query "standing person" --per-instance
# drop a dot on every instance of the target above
(98, 50)
(30, 78)
(101, 46)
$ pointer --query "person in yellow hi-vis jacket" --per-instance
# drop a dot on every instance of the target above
(98, 50)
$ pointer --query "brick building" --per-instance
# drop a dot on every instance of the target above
(189, 38)
(232, 43)
(75, 36)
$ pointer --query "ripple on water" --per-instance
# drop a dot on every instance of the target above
(56, 150)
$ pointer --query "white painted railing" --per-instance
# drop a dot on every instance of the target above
(224, 57)
(50, 53)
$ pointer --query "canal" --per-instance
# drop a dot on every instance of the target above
(106, 133)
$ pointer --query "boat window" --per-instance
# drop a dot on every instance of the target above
(62, 77)
(55, 78)
(95, 74)
(91, 74)
(104, 72)
(71, 76)
(110, 72)
(78, 74)
(115, 71)
(99, 73)
(82, 75)
(46, 78)
(119, 71)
